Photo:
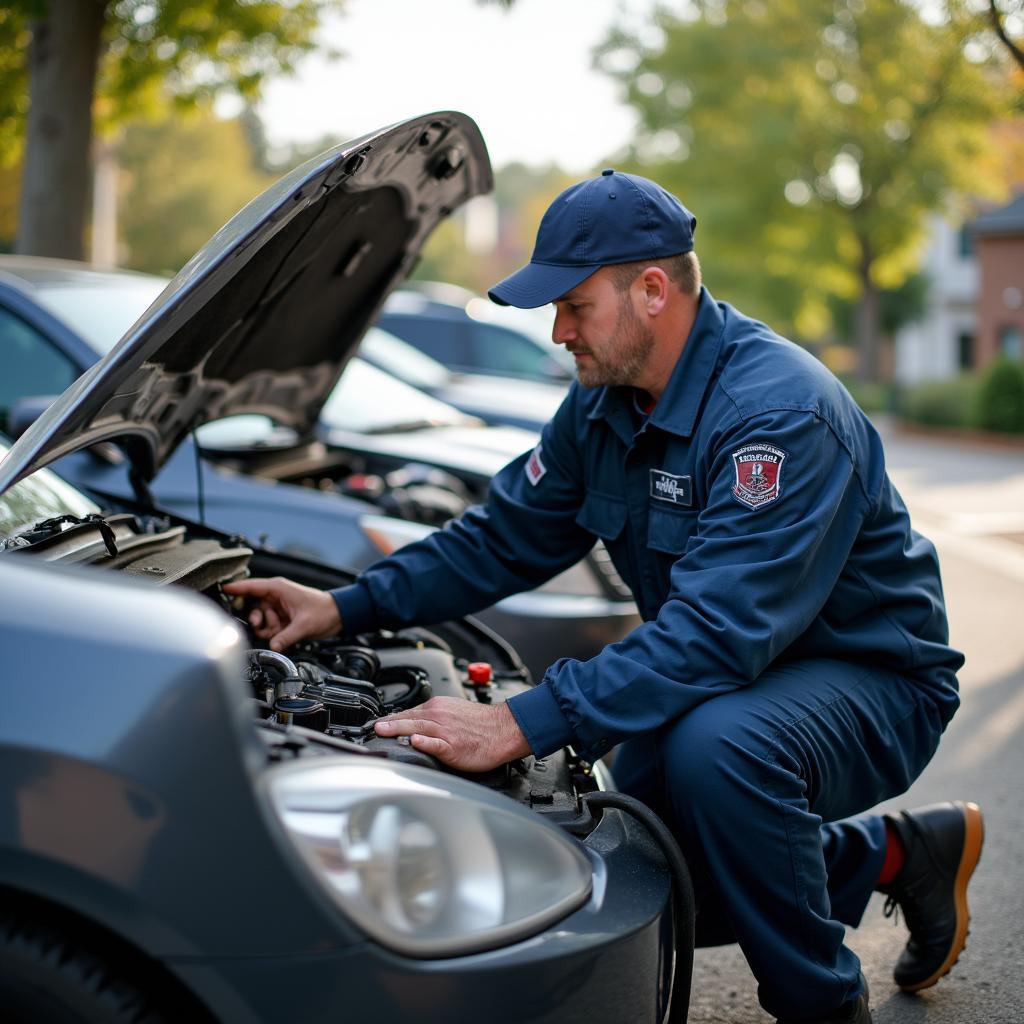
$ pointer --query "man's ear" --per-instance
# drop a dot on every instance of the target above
(655, 285)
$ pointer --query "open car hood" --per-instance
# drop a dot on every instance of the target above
(264, 317)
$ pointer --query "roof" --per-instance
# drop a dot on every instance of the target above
(1007, 220)
(33, 272)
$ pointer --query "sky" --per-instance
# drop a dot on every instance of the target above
(524, 75)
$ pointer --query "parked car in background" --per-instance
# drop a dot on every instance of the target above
(195, 828)
(500, 401)
(383, 464)
(470, 334)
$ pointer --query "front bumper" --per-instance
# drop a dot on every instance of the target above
(611, 960)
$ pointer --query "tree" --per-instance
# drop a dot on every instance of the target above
(811, 139)
(170, 207)
(86, 62)
(998, 15)
(521, 195)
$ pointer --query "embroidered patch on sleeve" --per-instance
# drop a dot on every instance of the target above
(535, 468)
(758, 474)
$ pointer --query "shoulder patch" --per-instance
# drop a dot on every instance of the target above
(758, 474)
(535, 468)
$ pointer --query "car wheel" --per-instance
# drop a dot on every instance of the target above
(48, 977)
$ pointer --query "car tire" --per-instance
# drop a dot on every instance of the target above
(47, 976)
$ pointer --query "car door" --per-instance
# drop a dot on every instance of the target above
(33, 364)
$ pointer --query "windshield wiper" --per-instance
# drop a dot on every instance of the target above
(406, 427)
(47, 528)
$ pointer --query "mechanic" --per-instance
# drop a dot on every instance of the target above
(792, 667)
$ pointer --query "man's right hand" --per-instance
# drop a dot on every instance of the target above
(288, 612)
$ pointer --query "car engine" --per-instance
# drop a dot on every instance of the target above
(336, 689)
(325, 695)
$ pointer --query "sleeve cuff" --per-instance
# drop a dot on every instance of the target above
(544, 725)
(356, 608)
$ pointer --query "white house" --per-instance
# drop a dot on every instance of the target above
(941, 343)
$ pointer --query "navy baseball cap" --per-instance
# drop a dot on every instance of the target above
(613, 218)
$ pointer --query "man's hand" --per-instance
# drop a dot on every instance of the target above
(288, 612)
(464, 735)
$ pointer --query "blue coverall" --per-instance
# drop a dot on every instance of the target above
(793, 666)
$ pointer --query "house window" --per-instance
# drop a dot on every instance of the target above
(965, 350)
(965, 243)
(1010, 341)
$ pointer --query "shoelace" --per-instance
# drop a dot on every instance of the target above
(891, 909)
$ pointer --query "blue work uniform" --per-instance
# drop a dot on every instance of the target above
(793, 665)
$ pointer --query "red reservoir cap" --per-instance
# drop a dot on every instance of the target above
(479, 672)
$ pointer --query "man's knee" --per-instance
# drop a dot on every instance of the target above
(710, 752)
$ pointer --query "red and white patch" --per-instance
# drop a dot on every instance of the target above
(535, 468)
(758, 474)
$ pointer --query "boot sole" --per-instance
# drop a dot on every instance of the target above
(974, 838)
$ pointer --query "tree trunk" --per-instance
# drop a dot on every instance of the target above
(868, 320)
(62, 63)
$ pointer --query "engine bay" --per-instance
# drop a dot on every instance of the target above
(403, 490)
(323, 695)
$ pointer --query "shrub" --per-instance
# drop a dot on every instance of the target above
(869, 396)
(939, 403)
(999, 401)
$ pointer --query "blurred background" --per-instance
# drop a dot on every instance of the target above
(857, 168)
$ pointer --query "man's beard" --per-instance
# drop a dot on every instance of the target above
(627, 354)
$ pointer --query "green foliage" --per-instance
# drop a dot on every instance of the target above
(155, 50)
(522, 194)
(940, 403)
(999, 401)
(871, 397)
(195, 50)
(810, 139)
(170, 206)
(897, 306)
(14, 40)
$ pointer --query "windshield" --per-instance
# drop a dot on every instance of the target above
(402, 360)
(370, 401)
(42, 495)
(365, 401)
(102, 308)
(534, 324)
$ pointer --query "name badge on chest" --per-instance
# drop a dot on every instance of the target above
(676, 490)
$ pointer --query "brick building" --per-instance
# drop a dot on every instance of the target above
(998, 239)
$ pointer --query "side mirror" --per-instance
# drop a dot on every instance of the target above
(25, 412)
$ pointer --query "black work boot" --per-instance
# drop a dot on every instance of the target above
(854, 1012)
(942, 845)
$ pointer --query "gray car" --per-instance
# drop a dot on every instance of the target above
(382, 460)
(193, 827)
(504, 401)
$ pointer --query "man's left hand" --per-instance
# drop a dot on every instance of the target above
(463, 735)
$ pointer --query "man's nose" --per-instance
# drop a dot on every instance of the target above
(562, 331)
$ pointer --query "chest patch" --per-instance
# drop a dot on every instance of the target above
(535, 468)
(678, 490)
(758, 474)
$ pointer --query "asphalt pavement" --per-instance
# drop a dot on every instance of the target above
(969, 499)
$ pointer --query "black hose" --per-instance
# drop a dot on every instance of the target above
(684, 904)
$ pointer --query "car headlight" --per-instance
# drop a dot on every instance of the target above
(428, 865)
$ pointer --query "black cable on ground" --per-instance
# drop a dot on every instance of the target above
(682, 889)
